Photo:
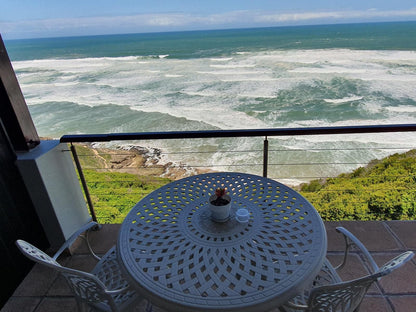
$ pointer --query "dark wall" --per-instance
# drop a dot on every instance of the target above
(16, 118)
(17, 220)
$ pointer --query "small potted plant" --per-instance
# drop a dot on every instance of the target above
(220, 205)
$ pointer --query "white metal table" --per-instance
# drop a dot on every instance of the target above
(181, 260)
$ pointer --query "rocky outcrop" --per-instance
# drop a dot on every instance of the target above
(135, 159)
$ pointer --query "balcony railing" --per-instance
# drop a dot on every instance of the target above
(266, 154)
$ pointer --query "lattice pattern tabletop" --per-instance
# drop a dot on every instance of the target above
(183, 261)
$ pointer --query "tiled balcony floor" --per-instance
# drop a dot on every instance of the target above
(43, 290)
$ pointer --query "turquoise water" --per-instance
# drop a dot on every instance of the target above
(229, 79)
(214, 43)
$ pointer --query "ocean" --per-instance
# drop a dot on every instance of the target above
(300, 76)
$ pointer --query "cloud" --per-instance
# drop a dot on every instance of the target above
(184, 21)
(334, 15)
(92, 25)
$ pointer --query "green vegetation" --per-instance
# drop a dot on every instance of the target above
(383, 190)
(114, 193)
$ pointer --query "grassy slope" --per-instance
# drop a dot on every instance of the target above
(113, 194)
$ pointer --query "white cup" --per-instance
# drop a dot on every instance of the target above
(242, 215)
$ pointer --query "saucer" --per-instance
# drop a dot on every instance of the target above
(241, 221)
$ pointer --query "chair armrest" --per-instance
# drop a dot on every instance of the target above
(89, 245)
(117, 291)
(292, 305)
(396, 262)
(74, 236)
(351, 240)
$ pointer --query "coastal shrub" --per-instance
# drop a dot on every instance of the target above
(313, 186)
(386, 205)
(409, 205)
(383, 190)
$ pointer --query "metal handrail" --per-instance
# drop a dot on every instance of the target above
(236, 133)
(223, 134)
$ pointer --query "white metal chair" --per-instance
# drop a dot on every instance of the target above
(103, 289)
(328, 293)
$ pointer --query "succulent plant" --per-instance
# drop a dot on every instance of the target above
(220, 192)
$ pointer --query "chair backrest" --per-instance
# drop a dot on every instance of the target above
(347, 296)
(87, 287)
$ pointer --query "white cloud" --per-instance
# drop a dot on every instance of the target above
(309, 16)
(182, 21)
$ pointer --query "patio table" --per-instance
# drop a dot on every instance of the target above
(182, 260)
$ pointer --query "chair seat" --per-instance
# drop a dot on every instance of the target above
(326, 276)
(103, 289)
(108, 271)
(328, 293)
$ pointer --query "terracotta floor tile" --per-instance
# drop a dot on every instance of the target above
(400, 281)
(373, 234)
(403, 303)
(402, 230)
(37, 282)
(51, 304)
(43, 290)
(375, 304)
(21, 304)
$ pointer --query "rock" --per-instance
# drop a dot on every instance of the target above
(136, 160)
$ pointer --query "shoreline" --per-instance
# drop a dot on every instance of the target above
(150, 161)
(138, 160)
(143, 161)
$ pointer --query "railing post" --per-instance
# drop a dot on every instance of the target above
(265, 156)
(83, 182)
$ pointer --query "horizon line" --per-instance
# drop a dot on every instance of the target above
(210, 29)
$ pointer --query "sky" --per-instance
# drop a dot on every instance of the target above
(55, 18)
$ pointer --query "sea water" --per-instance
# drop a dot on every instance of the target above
(329, 75)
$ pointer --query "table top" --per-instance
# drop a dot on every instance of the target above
(182, 260)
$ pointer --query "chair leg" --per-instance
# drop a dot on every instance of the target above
(82, 306)
(357, 309)
(149, 306)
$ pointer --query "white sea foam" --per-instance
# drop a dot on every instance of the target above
(232, 65)
(402, 109)
(344, 100)
(248, 90)
(224, 59)
(127, 77)
(237, 73)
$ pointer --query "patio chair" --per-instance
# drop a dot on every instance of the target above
(328, 293)
(103, 289)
